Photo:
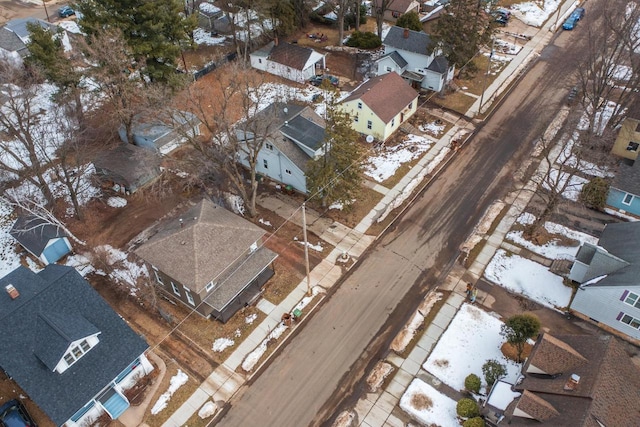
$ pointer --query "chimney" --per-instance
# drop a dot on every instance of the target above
(12, 291)
(406, 33)
(572, 382)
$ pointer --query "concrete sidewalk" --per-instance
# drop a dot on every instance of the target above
(221, 385)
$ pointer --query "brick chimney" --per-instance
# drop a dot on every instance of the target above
(406, 33)
(12, 291)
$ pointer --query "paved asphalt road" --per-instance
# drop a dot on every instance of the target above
(321, 368)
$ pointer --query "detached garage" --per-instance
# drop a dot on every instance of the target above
(43, 240)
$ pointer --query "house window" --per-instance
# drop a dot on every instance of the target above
(355, 119)
(269, 146)
(158, 277)
(189, 296)
(209, 286)
(287, 171)
(76, 352)
(389, 69)
(393, 122)
(369, 124)
(359, 105)
(259, 60)
(633, 299)
(265, 163)
(633, 146)
(175, 289)
(631, 321)
(410, 106)
(628, 198)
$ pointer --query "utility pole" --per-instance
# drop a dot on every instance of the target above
(45, 10)
(306, 247)
(486, 75)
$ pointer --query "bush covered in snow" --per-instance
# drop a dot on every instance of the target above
(472, 383)
(467, 408)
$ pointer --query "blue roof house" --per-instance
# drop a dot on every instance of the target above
(65, 347)
(43, 240)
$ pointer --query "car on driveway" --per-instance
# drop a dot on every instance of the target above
(14, 414)
(317, 80)
(66, 11)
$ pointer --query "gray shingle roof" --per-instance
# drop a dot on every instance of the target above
(627, 178)
(439, 65)
(130, 162)
(291, 55)
(34, 233)
(60, 293)
(417, 42)
(209, 240)
(395, 57)
(14, 34)
(304, 132)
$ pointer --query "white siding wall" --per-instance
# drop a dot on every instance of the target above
(258, 62)
(277, 166)
(414, 60)
(603, 304)
(385, 63)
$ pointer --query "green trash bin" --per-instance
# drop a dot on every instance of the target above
(297, 313)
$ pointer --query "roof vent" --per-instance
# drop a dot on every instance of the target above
(572, 382)
(12, 291)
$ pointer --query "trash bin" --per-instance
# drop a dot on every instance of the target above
(297, 313)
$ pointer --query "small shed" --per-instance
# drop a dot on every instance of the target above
(45, 241)
(127, 167)
(162, 134)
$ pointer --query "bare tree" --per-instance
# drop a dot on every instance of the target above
(341, 8)
(116, 77)
(236, 132)
(379, 8)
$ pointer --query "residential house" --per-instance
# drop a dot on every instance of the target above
(127, 167)
(42, 239)
(397, 8)
(293, 134)
(209, 259)
(288, 60)
(576, 381)
(14, 35)
(609, 277)
(379, 106)
(65, 347)
(405, 52)
(162, 134)
(208, 13)
(624, 193)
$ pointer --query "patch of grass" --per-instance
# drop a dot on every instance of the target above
(367, 199)
(177, 399)
(281, 285)
(473, 253)
(456, 101)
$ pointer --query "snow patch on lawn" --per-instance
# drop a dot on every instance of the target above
(535, 13)
(525, 277)
(428, 406)
(177, 381)
(472, 338)
(117, 202)
(385, 164)
(222, 344)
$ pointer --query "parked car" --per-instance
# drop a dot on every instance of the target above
(66, 11)
(500, 19)
(14, 414)
(570, 23)
(578, 14)
(317, 80)
(501, 16)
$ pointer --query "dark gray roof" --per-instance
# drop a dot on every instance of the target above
(60, 295)
(439, 65)
(14, 34)
(417, 41)
(622, 262)
(34, 233)
(627, 178)
(130, 162)
(395, 57)
(304, 132)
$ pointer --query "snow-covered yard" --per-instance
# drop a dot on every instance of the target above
(428, 405)
(525, 277)
(472, 338)
(535, 13)
(553, 249)
(384, 164)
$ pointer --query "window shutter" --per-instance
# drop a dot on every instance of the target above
(624, 295)
(620, 316)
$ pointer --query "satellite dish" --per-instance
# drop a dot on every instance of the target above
(286, 110)
(369, 139)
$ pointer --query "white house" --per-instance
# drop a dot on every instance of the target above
(405, 52)
(296, 136)
(287, 60)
